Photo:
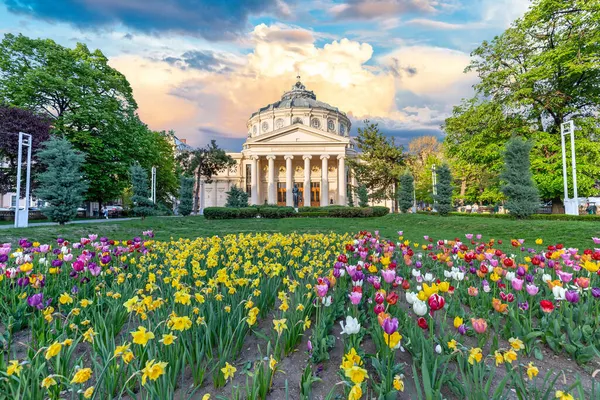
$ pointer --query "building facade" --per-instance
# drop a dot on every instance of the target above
(296, 141)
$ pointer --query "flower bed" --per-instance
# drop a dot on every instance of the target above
(477, 317)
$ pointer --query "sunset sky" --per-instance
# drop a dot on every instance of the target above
(201, 67)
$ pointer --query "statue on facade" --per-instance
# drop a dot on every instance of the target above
(295, 193)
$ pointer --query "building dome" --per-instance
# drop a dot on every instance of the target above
(298, 106)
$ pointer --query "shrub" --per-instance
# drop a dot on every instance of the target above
(523, 199)
(363, 196)
(247, 212)
(236, 198)
(380, 211)
(405, 196)
(444, 190)
(276, 212)
(186, 194)
(142, 205)
(221, 213)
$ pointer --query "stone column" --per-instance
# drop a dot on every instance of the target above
(306, 180)
(254, 180)
(271, 190)
(214, 190)
(341, 180)
(289, 181)
(324, 180)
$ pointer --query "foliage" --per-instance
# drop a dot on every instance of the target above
(142, 205)
(203, 163)
(381, 162)
(12, 121)
(538, 74)
(523, 199)
(350, 195)
(444, 190)
(236, 198)
(273, 212)
(61, 184)
(405, 196)
(423, 153)
(186, 195)
(363, 196)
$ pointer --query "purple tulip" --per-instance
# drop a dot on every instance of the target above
(390, 325)
(473, 270)
(3, 258)
(529, 278)
(572, 296)
(462, 329)
(532, 289)
(596, 292)
(36, 300)
(418, 264)
(521, 271)
(22, 282)
(524, 306)
(309, 346)
(57, 263)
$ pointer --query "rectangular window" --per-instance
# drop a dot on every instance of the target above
(281, 191)
(248, 179)
(300, 192)
(13, 200)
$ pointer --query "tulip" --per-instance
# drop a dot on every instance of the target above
(388, 275)
(379, 299)
(392, 298)
(420, 307)
(355, 297)
(322, 290)
(547, 306)
(462, 329)
(411, 297)
(352, 326)
(532, 289)
(559, 292)
(436, 302)
(390, 325)
(572, 296)
(422, 322)
(479, 325)
(379, 308)
(517, 284)
(596, 292)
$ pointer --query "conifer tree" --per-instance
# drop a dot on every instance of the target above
(405, 196)
(350, 196)
(142, 205)
(522, 194)
(444, 190)
(186, 195)
(62, 183)
(236, 198)
(363, 196)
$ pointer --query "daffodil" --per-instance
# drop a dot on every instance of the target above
(228, 371)
(82, 376)
(142, 336)
(153, 370)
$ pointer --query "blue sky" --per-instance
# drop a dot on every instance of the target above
(201, 67)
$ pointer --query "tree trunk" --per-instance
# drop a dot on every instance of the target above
(557, 206)
(99, 209)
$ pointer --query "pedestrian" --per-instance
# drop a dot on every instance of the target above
(105, 212)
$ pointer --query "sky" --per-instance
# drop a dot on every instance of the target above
(202, 67)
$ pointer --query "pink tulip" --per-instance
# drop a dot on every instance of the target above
(322, 290)
(532, 289)
(517, 284)
(479, 324)
(388, 275)
(355, 297)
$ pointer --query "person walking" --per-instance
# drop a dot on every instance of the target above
(105, 212)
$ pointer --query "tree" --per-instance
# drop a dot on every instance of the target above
(381, 162)
(405, 196)
(236, 198)
(350, 195)
(444, 190)
(88, 102)
(363, 196)
(62, 183)
(12, 121)
(186, 195)
(423, 153)
(203, 163)
(539, 73)
(142, 205)
(519, 188)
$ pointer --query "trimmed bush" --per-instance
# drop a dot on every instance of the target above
(247, 212)
(287, 212)
(276, 212)
(380, 211)
(221, 213)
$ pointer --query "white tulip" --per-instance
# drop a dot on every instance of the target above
(510, 276)
(420, 307)
(428, 277)
(352, 326)
(438, 349)
(546, 278)
(416, 273)
(487, 288)
(559, 292)
(327, 301)
(411, 297)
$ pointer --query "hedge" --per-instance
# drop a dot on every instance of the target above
(274, 212)
(542, 217)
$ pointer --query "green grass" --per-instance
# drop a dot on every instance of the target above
(571, 233)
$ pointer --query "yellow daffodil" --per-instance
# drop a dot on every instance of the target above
(82, 376)
(53, 350)
(153, 370)
(532, 371)
(228, 371)
(14, 368)
(168, 339)
(142, 336)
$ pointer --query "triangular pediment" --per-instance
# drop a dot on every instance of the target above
(297, 133)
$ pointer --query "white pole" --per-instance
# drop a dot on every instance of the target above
(28, 178)
(564, 161)
(154, 185)
(573, 164)
(19, 161)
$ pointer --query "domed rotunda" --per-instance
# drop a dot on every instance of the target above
(296, 144)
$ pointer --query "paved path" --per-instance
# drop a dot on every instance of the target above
(80, 221)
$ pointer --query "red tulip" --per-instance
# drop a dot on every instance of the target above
(392, 298)
(547, 306)
(422, 322)
(405, 285)
(436, 302)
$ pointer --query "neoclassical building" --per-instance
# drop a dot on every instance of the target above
(297, 140)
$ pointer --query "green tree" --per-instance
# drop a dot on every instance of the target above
(444, 190)
(405, 196)
(203, 163)
(363, 196)
(236, 198)
(423, 153)
(62, 183)
(519, 188)
(186, 195)
(142, 205)
(350, 195)
(541, 72)
(381, 162)
(89, 103)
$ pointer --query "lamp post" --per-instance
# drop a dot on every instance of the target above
(434, 185)
(22, 218)
(153, 192)
(571, 205)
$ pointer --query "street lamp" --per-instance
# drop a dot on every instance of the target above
(571, 205)
(22, 218)
(153, 193)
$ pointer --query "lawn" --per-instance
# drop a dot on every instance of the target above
(572, 233)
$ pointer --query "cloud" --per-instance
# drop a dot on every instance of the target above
(210, 19)
(371, 9)
(205, 60)
(441, 25)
